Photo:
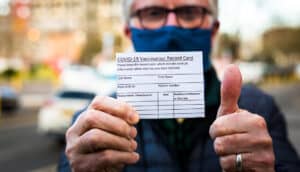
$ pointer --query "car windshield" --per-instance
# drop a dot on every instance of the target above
(76, 95)
(6, 92)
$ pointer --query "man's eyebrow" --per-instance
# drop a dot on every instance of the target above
(148, 4)
(166, 6)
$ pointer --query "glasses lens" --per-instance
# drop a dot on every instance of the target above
(153, 17)
(187, 16)
(190, 16)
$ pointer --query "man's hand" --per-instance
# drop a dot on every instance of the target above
(102, 138)
(238, 131)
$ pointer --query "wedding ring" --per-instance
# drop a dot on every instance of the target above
(239, 163)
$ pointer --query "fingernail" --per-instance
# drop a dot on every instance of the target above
(133, 132)
(133, 145)
(134, 117)
(137, 156)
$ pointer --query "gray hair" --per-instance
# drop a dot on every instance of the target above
(127, 5)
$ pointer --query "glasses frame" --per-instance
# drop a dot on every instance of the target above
(138, 13)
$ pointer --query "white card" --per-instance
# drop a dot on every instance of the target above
(162, 84)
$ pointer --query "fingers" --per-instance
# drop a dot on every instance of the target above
(101, 120)
(95, 140)
(227, 145)
(246, 133)
(230, 90)
(238, 131)
(113, 157)
(104, 160)
(240, 122)
(250, 162)
(116, 108)
(102, 138)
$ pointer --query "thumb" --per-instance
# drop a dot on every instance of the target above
(230, 90)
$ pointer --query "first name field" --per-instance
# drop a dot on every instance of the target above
(162, 84)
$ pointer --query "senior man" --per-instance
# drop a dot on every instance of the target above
(243, 129)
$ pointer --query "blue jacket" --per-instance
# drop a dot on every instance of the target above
(156, 156)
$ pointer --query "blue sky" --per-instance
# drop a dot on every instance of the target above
(252, 17)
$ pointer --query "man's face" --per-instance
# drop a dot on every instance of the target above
(171, 18)
(173, 25)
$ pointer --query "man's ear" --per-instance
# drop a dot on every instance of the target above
(215, 29)
(127, 31)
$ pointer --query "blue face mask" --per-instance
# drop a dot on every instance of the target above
(171, 38)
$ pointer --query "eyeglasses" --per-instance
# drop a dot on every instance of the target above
(186, 16)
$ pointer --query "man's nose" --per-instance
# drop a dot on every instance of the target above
(171, 19)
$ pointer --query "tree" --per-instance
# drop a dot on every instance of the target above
(285, 40)
(229, 44)
(92, 48)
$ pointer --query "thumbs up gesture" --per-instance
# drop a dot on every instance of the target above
(241, 138)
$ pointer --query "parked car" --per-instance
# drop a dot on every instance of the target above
(297, 69)
(69, 78)
(9, 98)
(104, 80)
(55, 116)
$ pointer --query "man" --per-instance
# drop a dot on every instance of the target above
(243, 129)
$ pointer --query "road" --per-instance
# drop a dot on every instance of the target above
(23, 149)
(288, 99)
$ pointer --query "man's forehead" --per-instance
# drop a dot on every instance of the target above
(138, 4)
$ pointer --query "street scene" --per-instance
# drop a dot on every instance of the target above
(57, 55)
(22, 148)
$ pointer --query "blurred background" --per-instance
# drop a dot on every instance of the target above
(56, 55)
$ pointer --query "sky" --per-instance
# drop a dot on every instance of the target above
(251, 17)
(4, 8)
